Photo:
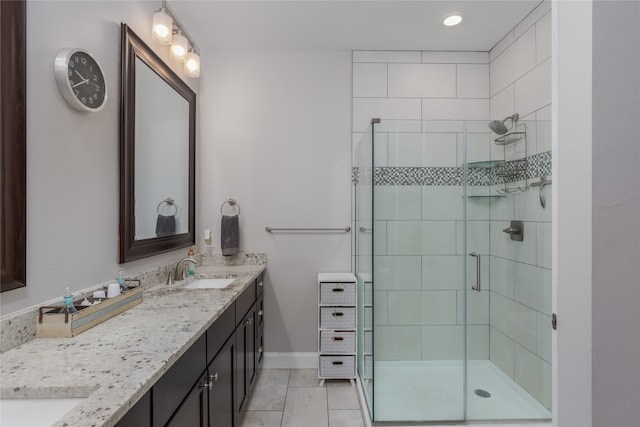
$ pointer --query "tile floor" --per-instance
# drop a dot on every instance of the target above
(294, 398)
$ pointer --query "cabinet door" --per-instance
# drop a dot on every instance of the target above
(245, 357)
(193, 411)
(221, 411)
(139, 415)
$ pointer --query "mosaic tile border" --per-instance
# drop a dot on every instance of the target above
(533, 166)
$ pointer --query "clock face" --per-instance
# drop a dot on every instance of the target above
(80, 80)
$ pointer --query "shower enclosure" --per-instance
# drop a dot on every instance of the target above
(453, 260)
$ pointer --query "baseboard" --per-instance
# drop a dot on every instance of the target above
(290, 360)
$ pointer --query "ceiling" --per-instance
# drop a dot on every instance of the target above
(365, 25)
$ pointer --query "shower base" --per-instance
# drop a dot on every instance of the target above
(432, 391)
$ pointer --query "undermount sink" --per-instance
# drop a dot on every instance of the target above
(210, 283)
(34, 412)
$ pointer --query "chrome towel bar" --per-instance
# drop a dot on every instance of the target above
(344, 229)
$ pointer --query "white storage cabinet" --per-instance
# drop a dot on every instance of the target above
(337, 336)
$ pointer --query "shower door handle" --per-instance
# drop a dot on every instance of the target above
(477, 287)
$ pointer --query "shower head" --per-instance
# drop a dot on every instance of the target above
(498, 126)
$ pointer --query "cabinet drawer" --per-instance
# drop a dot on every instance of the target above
(338, 293)
(337, 317)
(337, 341)
(260, 285)
(245, 301)
(337, 366)
(220, 331)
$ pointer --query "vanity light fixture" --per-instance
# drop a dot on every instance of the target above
(168, 30)
(452, 20)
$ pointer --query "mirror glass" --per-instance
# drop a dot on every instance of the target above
(161, 157)
(157, 154)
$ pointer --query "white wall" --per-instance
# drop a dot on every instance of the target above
(616, 214)
(72, 157)
(275, 135)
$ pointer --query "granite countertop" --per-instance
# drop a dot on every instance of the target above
(115, 363)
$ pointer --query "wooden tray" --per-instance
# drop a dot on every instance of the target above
(53, 324)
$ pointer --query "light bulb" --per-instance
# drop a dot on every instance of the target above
(179, 47)
(452, 20)
(162, 27)
(192, 65)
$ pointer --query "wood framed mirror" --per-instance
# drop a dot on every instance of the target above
(13, 112)
(157, 154)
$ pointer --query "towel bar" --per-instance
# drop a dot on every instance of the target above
(344, 229)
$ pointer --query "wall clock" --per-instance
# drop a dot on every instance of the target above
(80, 80)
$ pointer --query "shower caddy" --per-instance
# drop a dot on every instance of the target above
(515, 169)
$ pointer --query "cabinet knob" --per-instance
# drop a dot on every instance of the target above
(260, 313)
(213, 377)
(207, 385)
(249, 321)
(260, 283)
(260, 349)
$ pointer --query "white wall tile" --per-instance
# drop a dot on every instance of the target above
(404, 307)
(398, 125)
(386, 56)
(543, 257)
(478, 342)
(531, 372)
(516, 321)
(514, 62)
(455, 109)
(442, 343)
(503, 103)
(502, 276)
(442, 203)
(364, 109)
(543, 129)
(501, 208)
(380, 240)
(393, 202)
(501, 351)
(544, 337)
(397, 343)
(370, 80)
(435, 57)
(442, 272)
(398, 272)
(422, 149)
(477, 237)
(527, 204)
(503, 246)
(473, 81)
(380, 149)
(438, 238)
(533, 90)
(477, 307)
(533, 17)
(439, 308)
(422, 80)
(501, 46)
(404, 237)
(533, 287)
(440, 126)
(543, 38)
(478, 209)
(380, 307)
(478, 147)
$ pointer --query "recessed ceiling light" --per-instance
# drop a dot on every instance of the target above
(452, 20)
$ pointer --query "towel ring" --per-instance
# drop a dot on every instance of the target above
(230, 202)
(169, 202)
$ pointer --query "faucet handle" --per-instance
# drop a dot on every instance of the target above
(169, 279)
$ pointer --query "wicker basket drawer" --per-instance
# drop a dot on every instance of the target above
(338, 293)
(368, 293)
(337, 366)
(337, 341)
(368, 318)
(337, 317)
(368, 342)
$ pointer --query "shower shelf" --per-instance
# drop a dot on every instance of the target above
(487, 196)
(485, 164)
(510, 138)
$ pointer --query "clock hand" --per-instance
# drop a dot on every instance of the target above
(90, 82)
(76, 71)
(81, 83)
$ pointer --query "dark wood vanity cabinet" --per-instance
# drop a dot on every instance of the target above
(212, 380)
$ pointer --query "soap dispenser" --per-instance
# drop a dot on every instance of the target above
(191, 269)
(67, 300)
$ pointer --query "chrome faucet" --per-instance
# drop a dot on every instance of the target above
(178, 274)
